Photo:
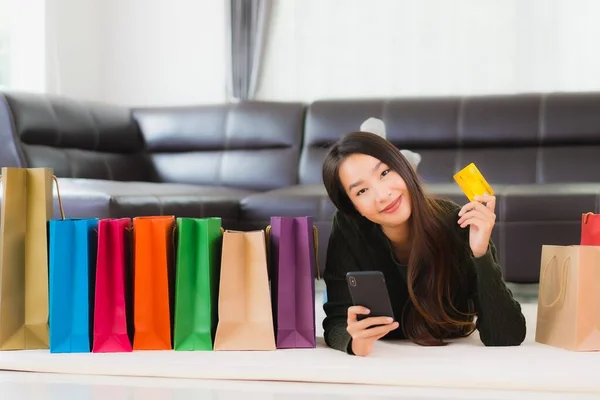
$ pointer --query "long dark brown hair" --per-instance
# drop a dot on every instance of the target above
(432, 271)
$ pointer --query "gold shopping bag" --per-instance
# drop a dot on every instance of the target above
(27, 205)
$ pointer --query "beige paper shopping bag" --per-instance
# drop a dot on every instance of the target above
(245, 312)
(569, 298)
(26, 208)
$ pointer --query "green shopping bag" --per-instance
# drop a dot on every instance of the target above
(197, 282)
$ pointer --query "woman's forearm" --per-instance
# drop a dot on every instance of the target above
(500, 321)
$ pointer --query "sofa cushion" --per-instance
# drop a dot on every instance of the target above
(251, 145)
(549, 202)
(132, 199)
(78, 139)
(300, 200)
(78, 201)
(513, 139)
(447, 132)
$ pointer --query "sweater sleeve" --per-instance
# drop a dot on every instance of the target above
(340, 260)
(500, 321)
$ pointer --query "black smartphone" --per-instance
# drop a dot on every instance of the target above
(368, 289)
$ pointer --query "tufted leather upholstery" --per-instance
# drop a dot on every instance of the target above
(78, 140)
(543, 133)
(249, 161)
(184, 161)
(252, 145)
(123, 199)
(536, 150)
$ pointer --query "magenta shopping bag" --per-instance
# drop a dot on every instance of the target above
(292, 254)
(112, 305)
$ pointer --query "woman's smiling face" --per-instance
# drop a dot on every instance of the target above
(377, 192)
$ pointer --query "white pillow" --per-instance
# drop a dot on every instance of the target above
(377, 126)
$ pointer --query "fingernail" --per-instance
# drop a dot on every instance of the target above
(367, 310)
(390, 320)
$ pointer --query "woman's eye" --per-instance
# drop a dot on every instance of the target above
(361, 191)
(384, 173)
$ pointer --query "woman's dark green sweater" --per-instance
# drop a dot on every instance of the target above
(358, 244)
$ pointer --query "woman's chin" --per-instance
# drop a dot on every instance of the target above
(395, 219)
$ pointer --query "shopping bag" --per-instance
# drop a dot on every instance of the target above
(292, 260)
(569, 298)
(27, 204)
(72, 264)
(112, 303)
(245, 312)
(590, 229)
(153, 279)
(197, 282)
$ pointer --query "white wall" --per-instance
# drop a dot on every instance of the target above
(129, 52)
(164, 52)
(26, 22)
(323, 49)
(167, 52)
(75, 48)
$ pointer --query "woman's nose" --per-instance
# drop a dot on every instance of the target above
(383, 194)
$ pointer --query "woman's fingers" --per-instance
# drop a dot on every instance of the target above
(354, 311)
(484, 203)
(372, 321)
(357, 328)
(376, 332)
(477, 221)
(488, 200)
(474, 214)
(475, 208)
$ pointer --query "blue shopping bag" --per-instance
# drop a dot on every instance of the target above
(73, 247)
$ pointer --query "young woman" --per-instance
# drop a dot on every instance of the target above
(437, 258)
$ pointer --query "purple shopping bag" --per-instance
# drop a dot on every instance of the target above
(293, 255)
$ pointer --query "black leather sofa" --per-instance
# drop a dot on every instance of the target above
(248, 161)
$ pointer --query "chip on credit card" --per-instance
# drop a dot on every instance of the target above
(472, 182)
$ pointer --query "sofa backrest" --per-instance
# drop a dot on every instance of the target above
(77, 139)
(531, 138)
(251, 145)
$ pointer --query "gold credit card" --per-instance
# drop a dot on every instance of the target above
(472, 182)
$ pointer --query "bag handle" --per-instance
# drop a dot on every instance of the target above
(315, 246)
(60, 203)
(563, 282)
(268, 249)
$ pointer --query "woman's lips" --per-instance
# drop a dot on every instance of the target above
(393, 206)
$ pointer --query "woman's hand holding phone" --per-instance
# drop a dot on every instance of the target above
(368, 330)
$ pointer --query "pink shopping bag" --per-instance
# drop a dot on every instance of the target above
(112, 310)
